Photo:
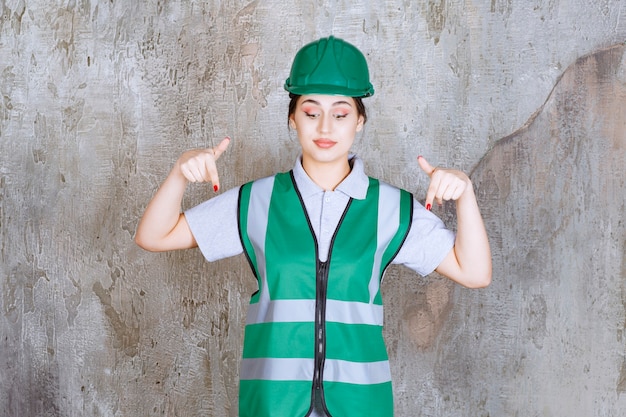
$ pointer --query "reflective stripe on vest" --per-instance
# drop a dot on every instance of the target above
(294, 369)
(301, 310)
(281, 348)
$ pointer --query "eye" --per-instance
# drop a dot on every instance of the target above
(341, 113)
(311, 115)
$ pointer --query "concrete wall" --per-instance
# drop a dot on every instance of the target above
(98, 98)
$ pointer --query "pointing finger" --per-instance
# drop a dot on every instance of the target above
(211, 168)
(432, 188)
(221, 147)
(425, 165)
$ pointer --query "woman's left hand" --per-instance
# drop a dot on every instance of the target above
(469, 261)
(445, 184)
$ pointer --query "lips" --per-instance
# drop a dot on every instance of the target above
(324, 143)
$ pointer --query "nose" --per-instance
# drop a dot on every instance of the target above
(325, 122)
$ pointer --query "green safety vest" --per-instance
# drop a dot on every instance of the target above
(316, 327)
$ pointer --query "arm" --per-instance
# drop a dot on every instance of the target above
(163, 227)
(469, 261)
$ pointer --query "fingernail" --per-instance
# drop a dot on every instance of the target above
(428, 206)
(227, 137)
(215, 188)
(419, 157)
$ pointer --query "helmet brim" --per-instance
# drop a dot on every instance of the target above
(330, 90)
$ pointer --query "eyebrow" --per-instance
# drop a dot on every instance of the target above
(337, 103)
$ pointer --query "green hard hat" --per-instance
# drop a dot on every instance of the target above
(329, 66)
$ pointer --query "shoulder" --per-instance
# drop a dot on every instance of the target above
(263, 189)
(386, 187)
(265, 182)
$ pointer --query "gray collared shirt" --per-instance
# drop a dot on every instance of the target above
(214, 222)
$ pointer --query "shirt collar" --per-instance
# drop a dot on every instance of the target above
(354, 185)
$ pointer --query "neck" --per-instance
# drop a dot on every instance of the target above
(328, 175)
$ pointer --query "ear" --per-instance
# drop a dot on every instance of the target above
(292, 123)
(359, 123)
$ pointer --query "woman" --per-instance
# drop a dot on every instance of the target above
(318, 239)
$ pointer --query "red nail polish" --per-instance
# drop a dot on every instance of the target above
(428, 206)
(215, 188)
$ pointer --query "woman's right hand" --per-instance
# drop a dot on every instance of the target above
(198, 165)
(163, 226)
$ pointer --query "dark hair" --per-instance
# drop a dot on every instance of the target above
(360, 107)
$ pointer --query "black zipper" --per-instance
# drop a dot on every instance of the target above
(321, 293)
(321, 289)
(320, 327)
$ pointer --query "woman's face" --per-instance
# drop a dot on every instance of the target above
(326, 127)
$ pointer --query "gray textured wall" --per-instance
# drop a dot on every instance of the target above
(98, 98)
